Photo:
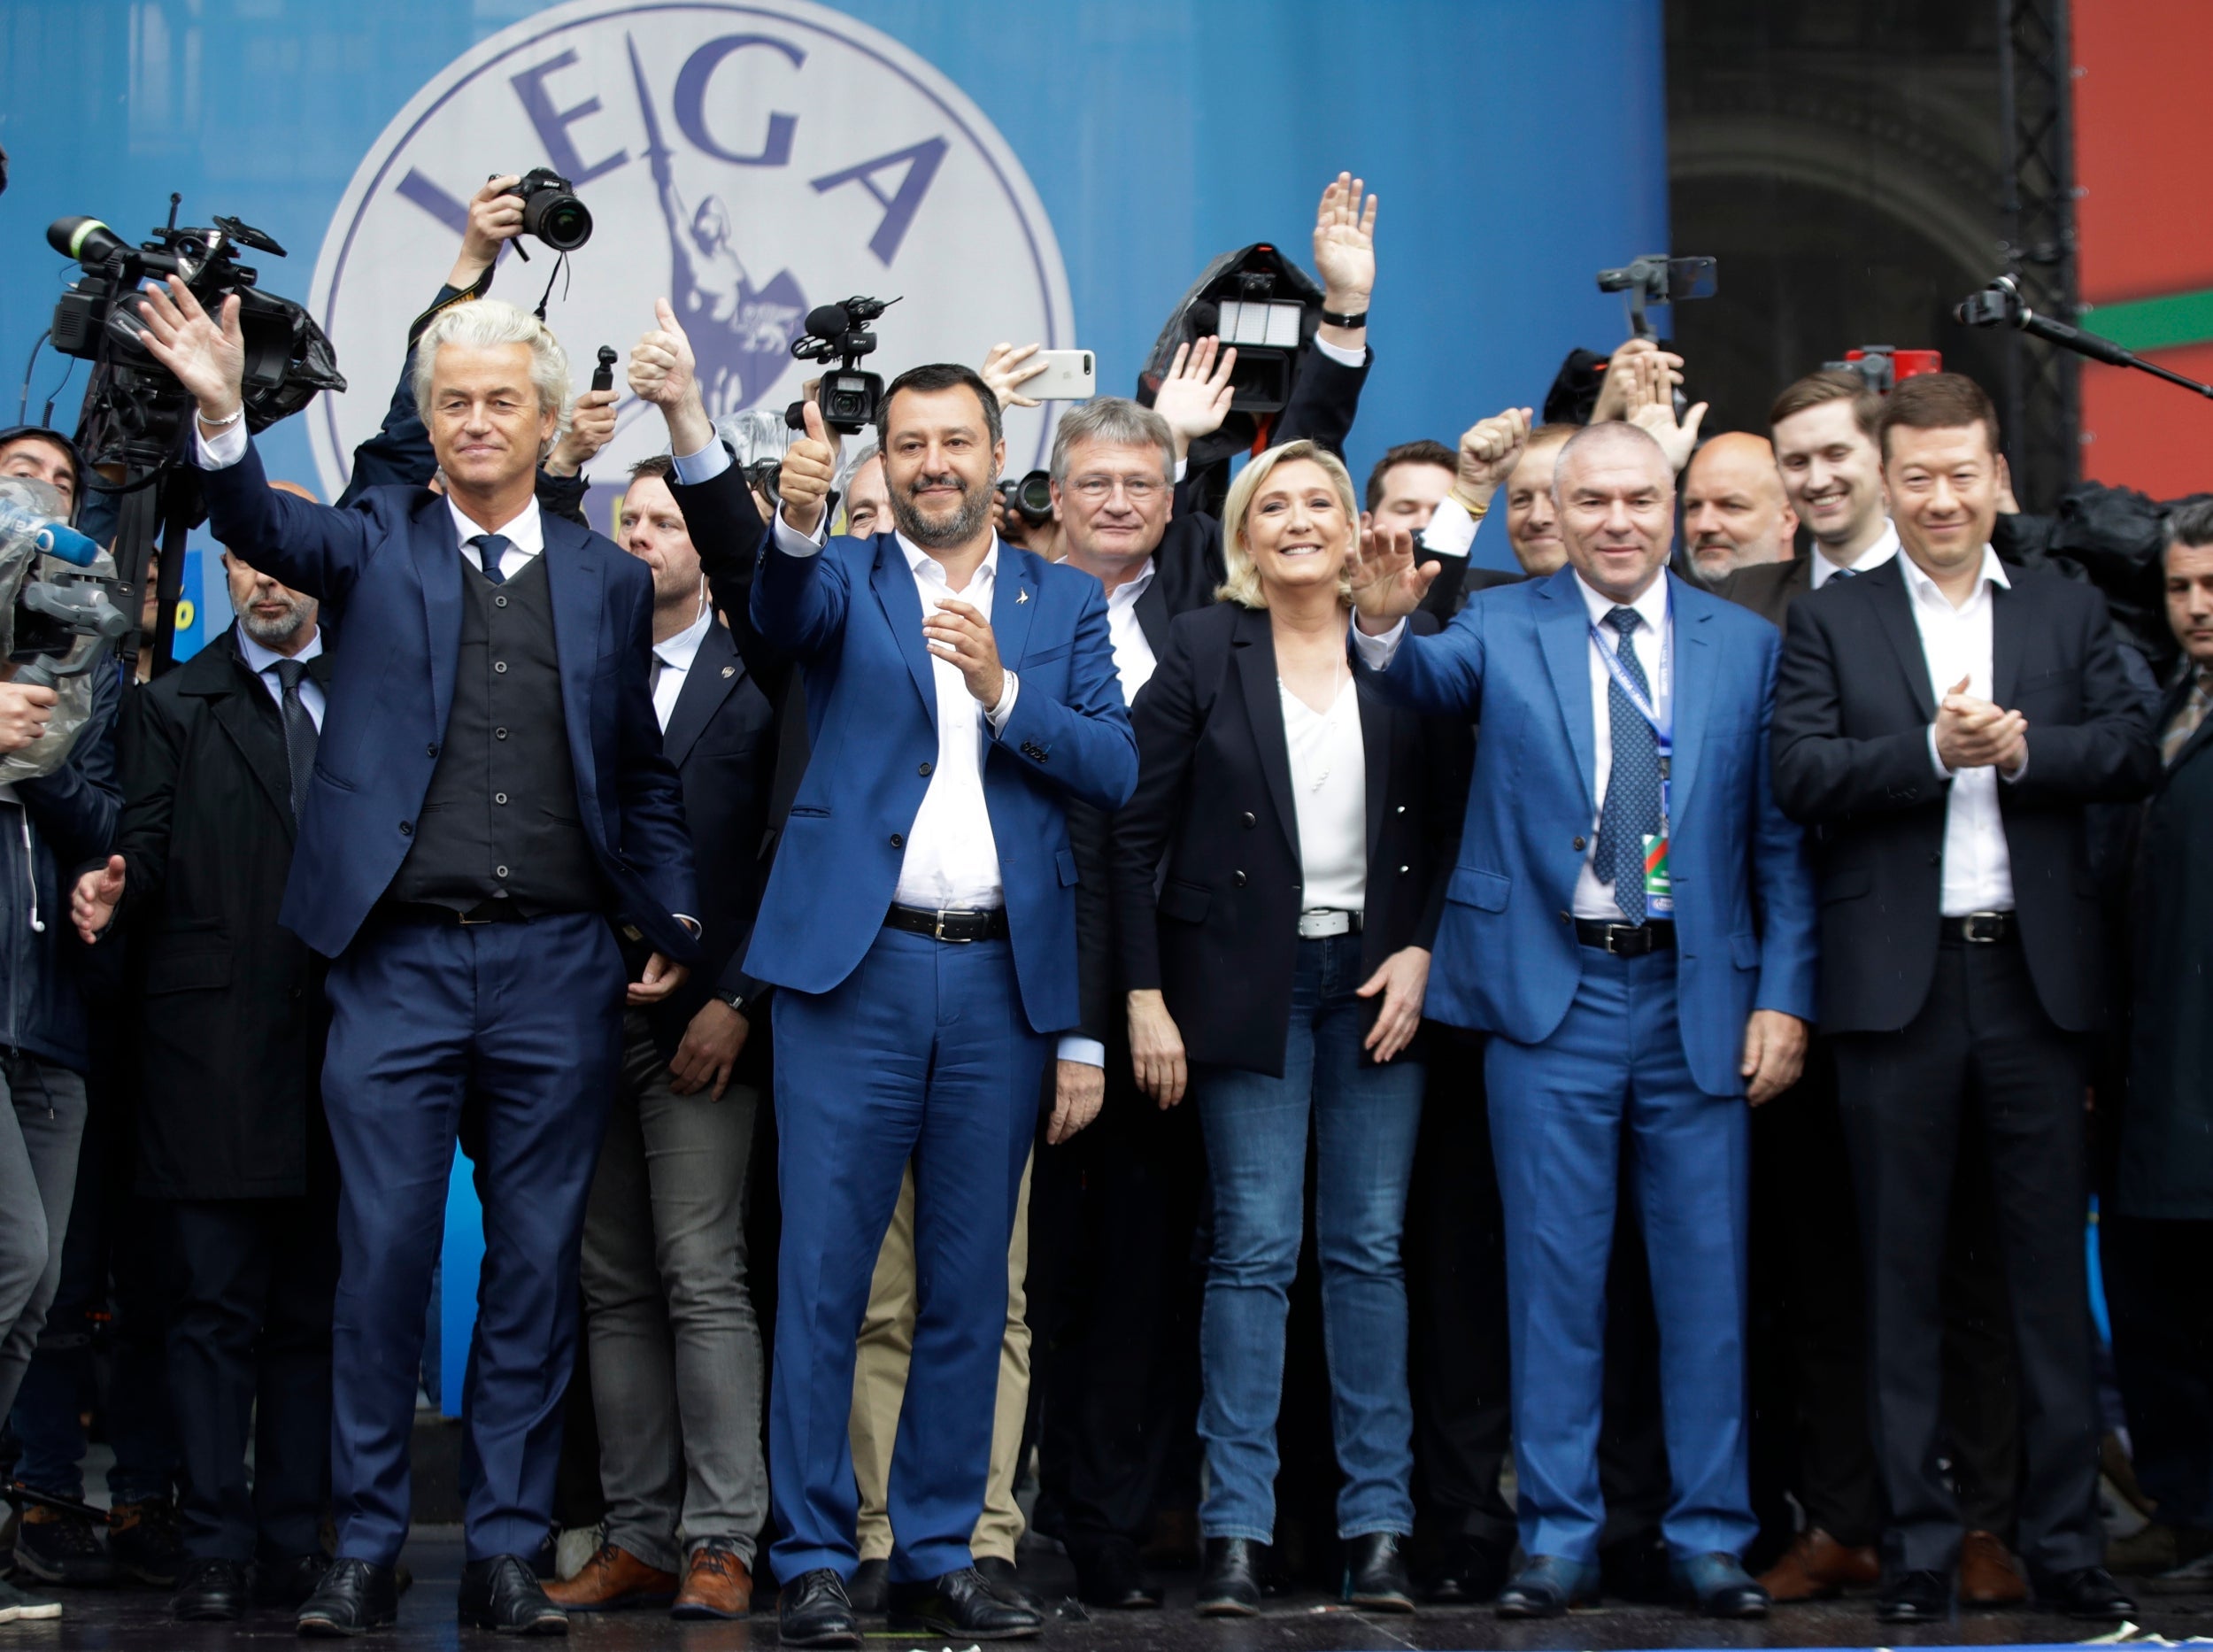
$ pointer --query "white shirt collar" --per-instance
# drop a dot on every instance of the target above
(1126, 594)
(1873, 557)
(1993, 572)
(1652, 607)
(680, 649)
(263, 659)
(920, 561)
(526, 533)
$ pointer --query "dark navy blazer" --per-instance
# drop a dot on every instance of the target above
(389, 575)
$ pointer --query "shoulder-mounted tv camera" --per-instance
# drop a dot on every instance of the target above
(1259, 301)
(839, 332)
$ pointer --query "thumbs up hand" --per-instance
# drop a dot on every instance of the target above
(810, 465)
(663, 371)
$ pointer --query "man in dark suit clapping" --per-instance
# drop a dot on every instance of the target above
(1941, 721)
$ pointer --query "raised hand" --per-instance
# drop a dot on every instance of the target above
(590, 427)
(92, 903)
(1627, 382)
(1345, 245)
(1006, 368)
(1194, 397)
(958, 631)
(1386, 584)
(1488, 450)
(664, 372)
(810, 465)
(495, 216)
(207, 356)
(1657, 420)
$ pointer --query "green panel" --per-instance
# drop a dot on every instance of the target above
(2181, 318)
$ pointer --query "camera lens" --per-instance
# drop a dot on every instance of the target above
(557, 218)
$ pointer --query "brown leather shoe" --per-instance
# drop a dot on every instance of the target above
(613, 1581)
(1816, 1567)
(716, 1583)
(1989, 1575)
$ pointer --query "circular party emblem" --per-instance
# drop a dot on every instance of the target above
(748, 162)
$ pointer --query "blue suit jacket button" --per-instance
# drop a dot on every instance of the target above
(407, 829)
(899, 840)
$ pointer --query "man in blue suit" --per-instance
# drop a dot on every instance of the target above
(920, 922)
(1632, 921)
(486, 799)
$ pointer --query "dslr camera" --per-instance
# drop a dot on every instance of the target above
(839, 332)
(134, 400)
(551, 210)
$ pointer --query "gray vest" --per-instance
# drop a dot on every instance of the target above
(501, 819)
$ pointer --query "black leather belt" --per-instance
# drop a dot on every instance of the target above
(1982, 929)
(949, 924)
(431, 912)
(1627, 940)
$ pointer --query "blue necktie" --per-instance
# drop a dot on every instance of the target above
(1842, 573)
(491, 547)
(1632, 786)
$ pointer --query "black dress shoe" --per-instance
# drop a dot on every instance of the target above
(288, 1582)
(813, 1611)
(870, 1587)
(2089, 1593)
(213, 1592)
(1003, 1580)
(1234, 1580)
(1111, 1575)
(1468, 1573)
(1375, 1573)
(961, 1603)
(1915, 1597)
(354, 1597)
(1548, 1586)
(1718, 1586)
(503, 1594)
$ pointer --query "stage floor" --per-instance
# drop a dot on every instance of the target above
(122, 1620)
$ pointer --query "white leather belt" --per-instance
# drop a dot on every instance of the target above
(1323, 922)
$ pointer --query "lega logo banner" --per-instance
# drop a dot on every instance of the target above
(748, 161)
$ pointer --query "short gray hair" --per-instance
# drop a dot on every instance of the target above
(1118, 422)
(1611, 433)
(2190, 521)
(486, 324)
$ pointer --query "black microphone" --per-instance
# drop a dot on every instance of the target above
(88, 241)
(827, 320)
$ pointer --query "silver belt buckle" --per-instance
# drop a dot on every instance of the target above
(1972, 928)
(939, 933)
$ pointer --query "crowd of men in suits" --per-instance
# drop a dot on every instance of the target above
(1722, 957)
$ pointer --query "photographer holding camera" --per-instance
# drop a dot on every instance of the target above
(401, 451)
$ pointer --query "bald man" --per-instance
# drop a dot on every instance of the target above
(1734, 510)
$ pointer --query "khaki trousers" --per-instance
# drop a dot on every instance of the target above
(887, 1338)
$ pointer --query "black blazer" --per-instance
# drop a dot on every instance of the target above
(230, 1003)
(1770, 588)
(1213, 819)
(722, 738)
(1853, 706)
(1457, 580)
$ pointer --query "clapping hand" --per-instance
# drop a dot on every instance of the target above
(1386, 584)
(1629, 375)
(1006, 368)
(1973, 733)
(1194, 397)
(957, 632)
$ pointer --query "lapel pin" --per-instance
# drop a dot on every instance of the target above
(1020, 597)
(729, 671)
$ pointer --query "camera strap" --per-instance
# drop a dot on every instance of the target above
(475, 290)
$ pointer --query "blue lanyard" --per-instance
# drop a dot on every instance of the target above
(1663, 727)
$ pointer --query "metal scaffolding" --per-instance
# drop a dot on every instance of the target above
(2043, 406)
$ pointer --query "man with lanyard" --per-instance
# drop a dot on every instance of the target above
(1620, 837)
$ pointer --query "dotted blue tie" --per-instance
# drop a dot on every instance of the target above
(491, 547)
(1632, 786)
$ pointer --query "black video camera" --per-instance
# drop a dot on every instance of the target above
(1030, 496)
(551, 210)
(135, 401)
(839, 332)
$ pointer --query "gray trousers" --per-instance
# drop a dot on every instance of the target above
(41, 1127)
(675, 1351)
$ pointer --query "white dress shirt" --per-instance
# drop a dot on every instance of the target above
(1956, 643)
(525, 535)
(672, 661)
(1329, 793)
(1134, 663)
(1871, 559)
(264, 664)
(1451, 531)
(1592, 898)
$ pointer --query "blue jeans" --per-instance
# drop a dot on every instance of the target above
(1365, 1119)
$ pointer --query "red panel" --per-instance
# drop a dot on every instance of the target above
(2145, 214)
(2140, 433)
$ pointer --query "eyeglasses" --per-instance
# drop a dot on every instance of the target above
(1140, 491)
